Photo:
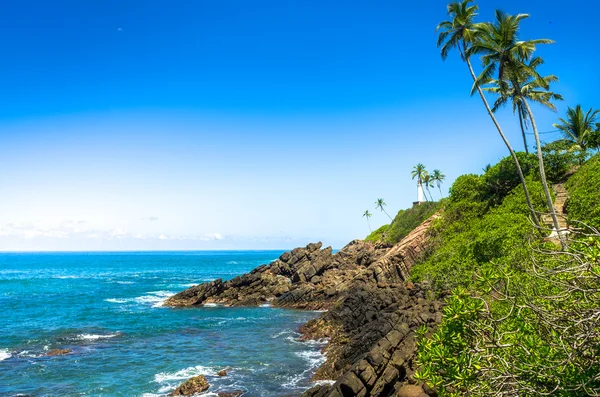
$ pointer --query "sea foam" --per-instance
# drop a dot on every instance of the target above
(4, 355)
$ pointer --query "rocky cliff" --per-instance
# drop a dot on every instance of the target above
(372, 312)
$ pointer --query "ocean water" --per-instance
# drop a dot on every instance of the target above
(106, 308)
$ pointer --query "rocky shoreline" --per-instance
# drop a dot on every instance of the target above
(371, 311)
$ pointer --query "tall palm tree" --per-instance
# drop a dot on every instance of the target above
(461, 33)
(379, 204)
(533, 87)
(502, 51)
(438, 178)
(367, 215)
(578, 128)
(419, 172)
(427, 182)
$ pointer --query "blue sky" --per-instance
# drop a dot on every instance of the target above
(235, 124)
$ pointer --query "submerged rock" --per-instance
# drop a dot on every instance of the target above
(192, 386)
(58, 352)
(222, 372)
(234, 393)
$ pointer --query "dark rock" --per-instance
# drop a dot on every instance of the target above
(192, 386)
(222, 372)
(234, 393)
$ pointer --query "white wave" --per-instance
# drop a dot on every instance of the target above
(210, 305)
(95, 336)
(314, 358)
(5, 354)
(66, 277)
(156, 299)
(265, 305)
(125, 282)
(184, 374)
(323, 382)
(309, 342)
(232, 263)
(287, 331)
(115, 300)
(188, 285)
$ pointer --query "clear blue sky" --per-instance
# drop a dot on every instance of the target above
(237, 124)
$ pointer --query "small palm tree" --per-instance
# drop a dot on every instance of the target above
(379, 204)
(438, 178)
(578, 129)
(367, 215)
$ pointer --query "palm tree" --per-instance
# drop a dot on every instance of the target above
(379, 204)
(461, 33)
(502, 50)
(578, 129)
(522, 83)
(427, 182)
(367, 215)
(419, 172)
(438, 178)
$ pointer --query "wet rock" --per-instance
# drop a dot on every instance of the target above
(192, 386)
(58, 352)
(222, 372)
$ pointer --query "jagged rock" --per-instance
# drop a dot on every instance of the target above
(58, 352)
(222, 372)
(192, 386)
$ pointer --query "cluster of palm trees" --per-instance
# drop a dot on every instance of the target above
(509, 71)
(428, 180)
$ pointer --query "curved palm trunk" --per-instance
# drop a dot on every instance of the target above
(510, 149)
(385, 212)
(543, 174)
(523, 131)
(369, 223)
(441, 195)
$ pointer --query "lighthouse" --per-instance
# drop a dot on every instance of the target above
(420, 193)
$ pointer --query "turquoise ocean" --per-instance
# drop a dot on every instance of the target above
(106, 308)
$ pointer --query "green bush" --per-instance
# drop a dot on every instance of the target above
(584, 190)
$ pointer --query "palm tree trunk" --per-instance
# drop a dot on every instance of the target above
(512, 152)
(385, 212)
(543, 174)
(523, 131)
(369, 223)
(441, 195)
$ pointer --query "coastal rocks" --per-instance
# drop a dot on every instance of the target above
(58, 352)
(192, 386)
(373, 343)
(222, 373)
(372, 310)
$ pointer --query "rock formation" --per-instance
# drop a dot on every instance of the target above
(58, 352)
(192, 386)
(372, 311)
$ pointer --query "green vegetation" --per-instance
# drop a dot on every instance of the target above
(584, 190)
(404, 222)
(523, 318)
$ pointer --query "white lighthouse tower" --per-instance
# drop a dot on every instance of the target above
(420, 194)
